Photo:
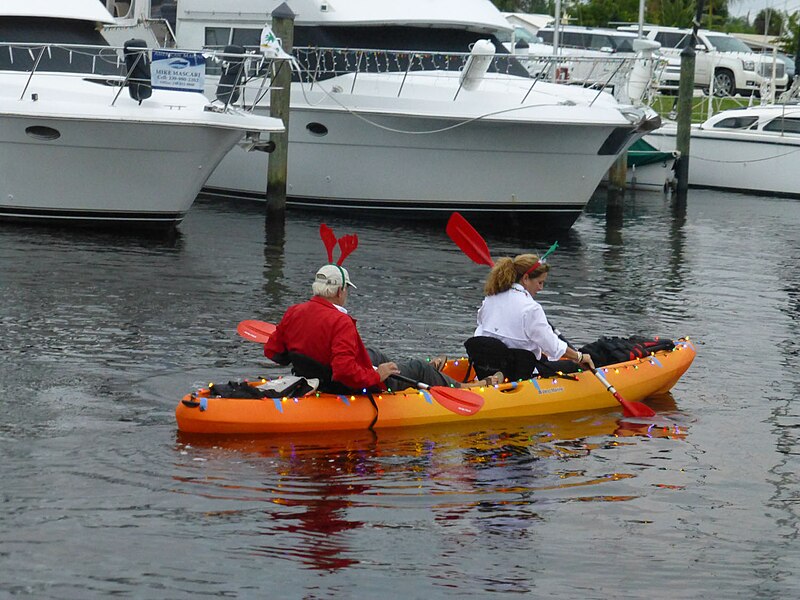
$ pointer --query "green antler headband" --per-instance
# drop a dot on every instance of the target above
(543, 259)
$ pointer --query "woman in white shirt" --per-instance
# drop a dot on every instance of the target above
(510, 313)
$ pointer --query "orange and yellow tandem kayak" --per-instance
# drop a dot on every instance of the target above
(635, 380)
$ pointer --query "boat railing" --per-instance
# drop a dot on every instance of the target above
(249, 75)
(313, 65)
(108, 65)
(318, 64)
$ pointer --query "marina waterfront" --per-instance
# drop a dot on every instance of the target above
(102, 334)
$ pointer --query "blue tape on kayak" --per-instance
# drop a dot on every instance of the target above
(203, 404)
(345, 400)
(278, 404)
(427, 396)
(655, 361)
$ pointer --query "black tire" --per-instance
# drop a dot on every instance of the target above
(724, 83)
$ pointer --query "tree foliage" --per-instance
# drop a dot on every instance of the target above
(769, 22)
(605, 13)
(791, 33)
(674, 13)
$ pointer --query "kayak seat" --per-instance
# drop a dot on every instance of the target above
(304, 366)
(487, 355)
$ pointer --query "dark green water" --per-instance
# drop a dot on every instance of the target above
(103, 334)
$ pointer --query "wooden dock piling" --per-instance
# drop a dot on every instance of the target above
(277, 169)
(685, 95)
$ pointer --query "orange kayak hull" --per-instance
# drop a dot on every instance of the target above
(635, 380)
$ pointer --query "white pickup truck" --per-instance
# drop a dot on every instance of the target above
(721, 60)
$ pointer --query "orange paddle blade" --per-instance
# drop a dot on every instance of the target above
(255, 331)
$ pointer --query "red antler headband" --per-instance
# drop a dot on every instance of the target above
(329, 239)
(542, 260)
(347, 244)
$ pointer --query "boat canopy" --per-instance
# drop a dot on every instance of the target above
(80, 10)
(476, 15)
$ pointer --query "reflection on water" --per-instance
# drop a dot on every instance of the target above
(314, 489)
(102, 334)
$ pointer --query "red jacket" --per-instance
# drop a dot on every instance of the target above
(321, 331)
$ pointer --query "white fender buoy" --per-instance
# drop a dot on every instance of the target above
(642, 71)
(480, 58)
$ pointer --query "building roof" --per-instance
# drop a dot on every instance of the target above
(534, 22)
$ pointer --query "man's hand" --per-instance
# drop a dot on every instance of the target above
(387, 369)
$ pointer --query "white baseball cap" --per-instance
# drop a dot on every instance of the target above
(334, 275)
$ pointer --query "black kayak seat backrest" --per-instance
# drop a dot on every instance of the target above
(305, 366)
(487, 355)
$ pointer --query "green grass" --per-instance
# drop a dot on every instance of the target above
(663, 106)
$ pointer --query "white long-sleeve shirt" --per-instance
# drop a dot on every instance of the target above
(516, 319)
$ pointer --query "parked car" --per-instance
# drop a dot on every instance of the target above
(592, 55)
(608, 41)
(789, 65)
(722, 60)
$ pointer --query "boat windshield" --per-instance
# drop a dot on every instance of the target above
(67, 52)
(784, 125)
(737, 122)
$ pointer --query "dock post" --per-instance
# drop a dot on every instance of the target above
(685, 95)
(277, 168)
(618, 173)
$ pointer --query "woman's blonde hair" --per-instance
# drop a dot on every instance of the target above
(508, 271)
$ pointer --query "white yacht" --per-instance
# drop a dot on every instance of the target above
(76, 147)
(423, 119)
(754, 149)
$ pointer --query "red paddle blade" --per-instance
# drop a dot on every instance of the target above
(629, 409)
(255, 331)
(635, 409)
(461, 402)
(469, 240)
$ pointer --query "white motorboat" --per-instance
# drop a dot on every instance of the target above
(77, 148)
(754, 150)
(404, 125)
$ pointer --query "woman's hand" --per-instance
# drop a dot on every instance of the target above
(583, 358)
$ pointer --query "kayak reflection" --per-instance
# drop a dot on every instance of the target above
(315, 488)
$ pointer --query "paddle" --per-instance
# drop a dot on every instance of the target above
(255, 331)
(469, 240)
(629, 409)
(461, 402)
(474, 246)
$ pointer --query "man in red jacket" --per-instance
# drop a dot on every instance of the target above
(322, 330)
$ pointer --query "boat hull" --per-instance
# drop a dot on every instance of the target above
(103, 171)
(477, 168)
(741, 161)
(635, 380)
